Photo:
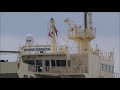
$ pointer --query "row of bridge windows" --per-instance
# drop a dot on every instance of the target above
(48, 62)
(107, 68)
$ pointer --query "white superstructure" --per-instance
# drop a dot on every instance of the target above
(48, 61)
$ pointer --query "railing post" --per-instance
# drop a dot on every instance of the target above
(50, 66)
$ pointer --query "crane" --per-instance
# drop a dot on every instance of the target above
(53, 34)
(82, 37)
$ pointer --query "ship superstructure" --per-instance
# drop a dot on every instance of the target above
(53, 61)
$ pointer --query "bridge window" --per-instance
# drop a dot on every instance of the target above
(53, 62)
(107, 68)
(104, 67)
(47, 63)
(38, 62)
(61, 62)
(112, 69)
(29, 62)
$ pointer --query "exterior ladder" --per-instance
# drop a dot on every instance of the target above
(63, 74)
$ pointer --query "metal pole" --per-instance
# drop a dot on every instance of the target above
(0, 40)
(119, 41)
(0, 35)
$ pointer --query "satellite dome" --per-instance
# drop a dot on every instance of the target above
(29, 35)
(64, 44)
(30, 39)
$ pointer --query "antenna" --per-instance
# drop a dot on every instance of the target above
(85, 19)
(119, 37)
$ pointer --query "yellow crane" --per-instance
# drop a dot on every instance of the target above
(82, 37)
(53, 35)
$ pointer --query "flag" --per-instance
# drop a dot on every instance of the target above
(49, 34)
(56, 31)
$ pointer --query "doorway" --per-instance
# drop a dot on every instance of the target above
(47, 65)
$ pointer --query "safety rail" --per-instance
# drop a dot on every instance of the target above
(102, 53)
(109, 74)
(64, 74)
(82, 33)
(57, 69)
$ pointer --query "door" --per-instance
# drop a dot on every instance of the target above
(47, 65)
(39, 65)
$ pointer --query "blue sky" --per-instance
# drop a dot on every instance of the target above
(16, 25)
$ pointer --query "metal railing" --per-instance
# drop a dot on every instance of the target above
(57, 69)
(65, 71)
(64, 74)
(116, 75)
(105, 74)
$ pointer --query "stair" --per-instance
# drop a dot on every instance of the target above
(63, 73)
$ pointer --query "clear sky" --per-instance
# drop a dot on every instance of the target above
(16, 25)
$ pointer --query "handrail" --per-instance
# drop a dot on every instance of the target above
(63, 74)
(57, 69)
